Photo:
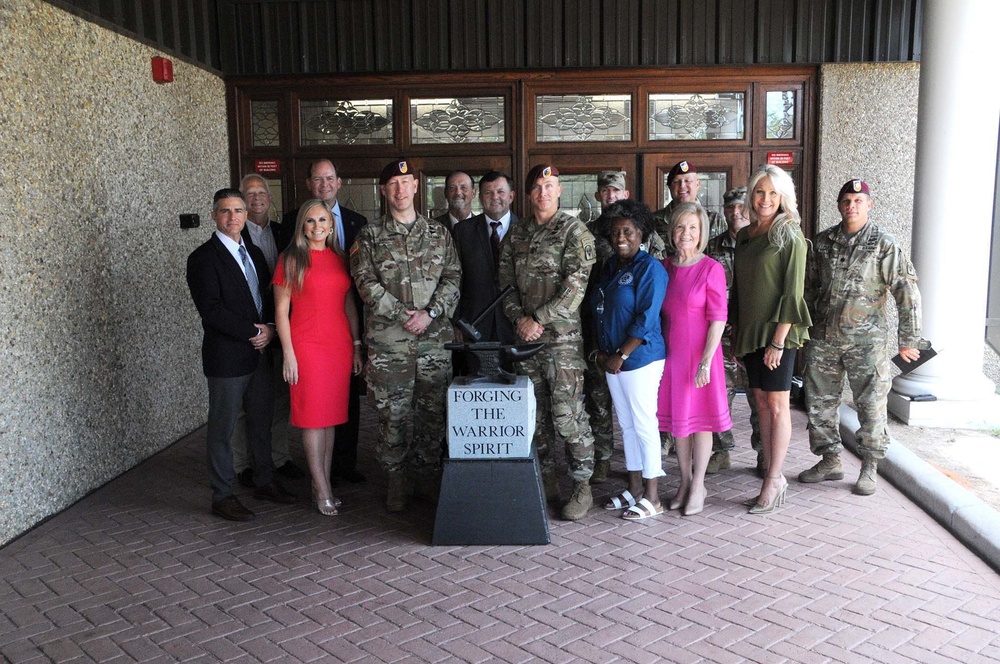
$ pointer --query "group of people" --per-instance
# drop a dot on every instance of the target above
(660, 317)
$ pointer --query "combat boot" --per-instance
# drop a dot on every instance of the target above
(398, 492)
(829, 468)
(579, 503)
(865, 485)
(551, 485)
(718, 461)
(601, 470)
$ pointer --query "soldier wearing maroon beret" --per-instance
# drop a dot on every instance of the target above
(853, 269)
(683, 182)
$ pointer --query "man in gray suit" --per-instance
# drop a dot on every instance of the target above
(459, 191)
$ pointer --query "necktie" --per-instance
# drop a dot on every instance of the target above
(495, 241)
(252, 280)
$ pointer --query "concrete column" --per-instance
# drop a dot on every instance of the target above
(957, 130)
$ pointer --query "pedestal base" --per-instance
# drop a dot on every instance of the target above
(981, 413)
(491, 502)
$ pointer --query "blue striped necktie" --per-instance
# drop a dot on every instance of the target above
(252, 280)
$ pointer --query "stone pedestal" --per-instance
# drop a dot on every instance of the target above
(491, 490)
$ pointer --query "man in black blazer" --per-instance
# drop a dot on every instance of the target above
(478, 248)
(229, 285)
(324, 183)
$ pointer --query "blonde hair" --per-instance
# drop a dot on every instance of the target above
(787, 221)
(683, 210)
(296, 257)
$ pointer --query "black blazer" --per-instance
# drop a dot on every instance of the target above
(228, 314)
(352, 224)
(479, 278)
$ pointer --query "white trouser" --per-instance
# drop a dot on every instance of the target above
(634, 394)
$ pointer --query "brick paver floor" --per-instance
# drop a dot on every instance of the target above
(140, 571)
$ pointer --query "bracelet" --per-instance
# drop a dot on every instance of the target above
(702, 365)
(357, 342)
(775, 346)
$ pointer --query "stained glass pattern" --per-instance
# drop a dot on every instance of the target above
(562, 118)
(264, 124)
(780, 114)
(355, 122)
(463, 120)
(696, 117)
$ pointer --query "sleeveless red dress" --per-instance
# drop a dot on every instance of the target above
(321, 338)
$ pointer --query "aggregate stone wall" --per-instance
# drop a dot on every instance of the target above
(100, 351)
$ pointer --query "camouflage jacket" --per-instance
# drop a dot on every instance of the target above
(848, 281)
(398, 270)
(661, 219)
(549, 266)
(723, 248)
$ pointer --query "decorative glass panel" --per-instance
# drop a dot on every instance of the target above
(780, 114)
(264, 124)
(696, 117)
(356, 122)
(583, 118)
(464, 120)
(713, 185)
(578, 196)
(361, 195)
(277, 199)
(434, 200)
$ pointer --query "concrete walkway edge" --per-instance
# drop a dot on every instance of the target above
(975, 523)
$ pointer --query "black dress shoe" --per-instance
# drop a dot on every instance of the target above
(231, 508)
(351, 475)
(245, 477)
(290, 470)
(274, 493)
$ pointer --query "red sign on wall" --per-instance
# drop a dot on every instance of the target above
(781, 158)
(267, 166)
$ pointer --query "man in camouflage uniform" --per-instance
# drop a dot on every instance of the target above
(853, 268)
(722, 248)
(408, 275)
(547, 258)
(683, 182)
(597, 400)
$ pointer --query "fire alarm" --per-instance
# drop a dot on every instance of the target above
(163, 70)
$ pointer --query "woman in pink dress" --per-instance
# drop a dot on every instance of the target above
(692, 401)
(317, 322)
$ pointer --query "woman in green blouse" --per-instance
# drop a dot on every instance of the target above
(769, 316)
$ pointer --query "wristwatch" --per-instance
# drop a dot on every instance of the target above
(620, 354)
(430, 312)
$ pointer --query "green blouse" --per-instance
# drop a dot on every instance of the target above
(767, 289)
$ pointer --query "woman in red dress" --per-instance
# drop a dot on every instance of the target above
(317, 322)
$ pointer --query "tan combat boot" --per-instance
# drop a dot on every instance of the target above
(718, 461)
(551, 485)
(398, 492)
(829, 468)
(579, 503)
(865, 485)
(601, 470)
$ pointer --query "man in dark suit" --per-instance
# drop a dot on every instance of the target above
(271, 238)
(229, 286)
(459, 191)
(324, 183)
(478, 242)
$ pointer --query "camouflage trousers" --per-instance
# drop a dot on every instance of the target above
(557, 374)
(408, 385)
(867, 370)
(597, 401)
(736, 377)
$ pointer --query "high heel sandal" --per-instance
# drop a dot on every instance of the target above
(778, 501)
(326, 506)
(691, 507)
